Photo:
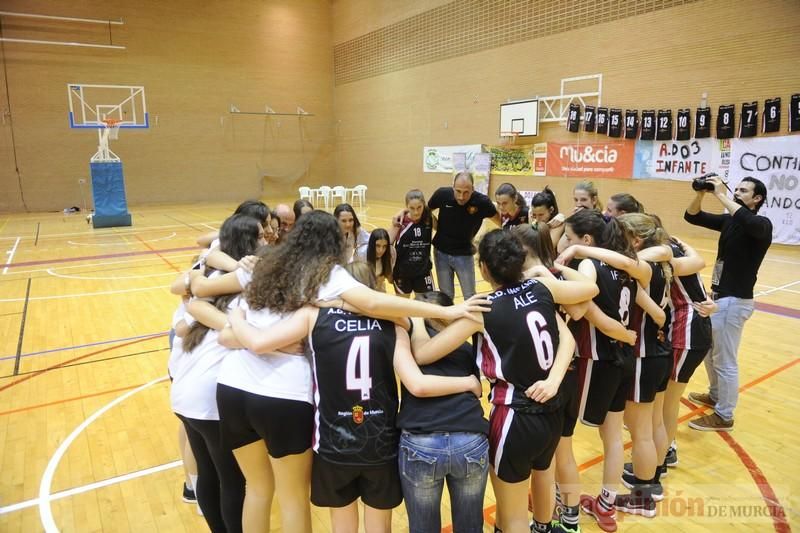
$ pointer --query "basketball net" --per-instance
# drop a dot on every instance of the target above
(508, 138)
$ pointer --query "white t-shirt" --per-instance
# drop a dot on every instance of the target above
(177, 342)
(278, 375)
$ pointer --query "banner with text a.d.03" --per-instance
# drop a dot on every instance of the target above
(679, 160)
(776, 162)
(612, 159)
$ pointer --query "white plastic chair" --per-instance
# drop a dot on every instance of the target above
(338, 192)
(324, 194)
(305, 193)
(360, 192)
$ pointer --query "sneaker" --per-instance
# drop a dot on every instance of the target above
(702, 398)
(607, 520)
(628, 469)
(188, 495)
(712, 422)
(558, 527)
(657, 489)
(636, 504)
(671, 459)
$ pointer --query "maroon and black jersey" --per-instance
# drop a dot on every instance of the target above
(617, 299)
(413, 247)
(687, 329)
(521, 217)
(355, 391)
(519, 343)
(646, 329)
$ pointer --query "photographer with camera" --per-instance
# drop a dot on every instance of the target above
(743, 242)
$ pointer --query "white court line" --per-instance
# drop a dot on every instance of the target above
(766, 258)
(80, 295)
(110, 278)
(122, 261)
(212, 228)
(103, 233)
(91, 486)
(45, 511)
(171, 235)
(775, 289)
(10, 254)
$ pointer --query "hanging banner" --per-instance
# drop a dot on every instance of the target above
(677, 160)
(513, 160)
(776, 162)
(440, 158)
(480, 172)
(590, 160)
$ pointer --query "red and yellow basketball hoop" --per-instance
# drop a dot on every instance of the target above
(112, 125)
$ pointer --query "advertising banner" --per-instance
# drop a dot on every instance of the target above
(590, 160)
(440, 158)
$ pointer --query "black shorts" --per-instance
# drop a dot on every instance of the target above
(602, 388)
(284, 425)
(520, 442)
(570, 398)
(335, 485)
(650, 376)
(685, 361)
(417, 284)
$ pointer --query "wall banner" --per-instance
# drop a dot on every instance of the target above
(776, 162)
(590, 160)
(440, 158)
(513, 160)
(678, 160)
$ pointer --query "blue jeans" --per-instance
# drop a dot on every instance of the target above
(462, 266)
(426, 461)
(722, 365)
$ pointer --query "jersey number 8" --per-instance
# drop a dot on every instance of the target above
(542, 341)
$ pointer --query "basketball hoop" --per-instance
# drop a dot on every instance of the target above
(112, 125)
(508, 137)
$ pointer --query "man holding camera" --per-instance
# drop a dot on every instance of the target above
(743, 242)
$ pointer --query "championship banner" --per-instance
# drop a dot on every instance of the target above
(440, 158)
(776, 162)
(590, 160)
(678, 160)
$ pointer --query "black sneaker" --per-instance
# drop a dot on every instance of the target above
(188, 495)
(672, 458)
(628, 469)
(635, 504)
(559, 527)
(656, 489)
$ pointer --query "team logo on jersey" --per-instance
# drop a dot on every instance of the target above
(472, 210)
(358, 414)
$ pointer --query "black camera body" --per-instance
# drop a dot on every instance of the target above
(702, 183)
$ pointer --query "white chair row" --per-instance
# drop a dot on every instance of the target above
(326, 196)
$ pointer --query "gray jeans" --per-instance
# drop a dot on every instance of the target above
(462, 266)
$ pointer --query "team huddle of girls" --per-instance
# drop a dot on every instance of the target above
(287, 354)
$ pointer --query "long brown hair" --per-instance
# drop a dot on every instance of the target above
(290, 276)
(536, 241)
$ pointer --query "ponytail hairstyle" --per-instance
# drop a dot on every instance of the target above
(416, 194)
(591, 190)
(610, 235)
(546, 198)
(380, 234)
(651, 233)
(535, 238)
(508, 189)
(626, 202)
(503, 255)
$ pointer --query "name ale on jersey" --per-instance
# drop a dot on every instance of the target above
(353, 324)
(522, 299)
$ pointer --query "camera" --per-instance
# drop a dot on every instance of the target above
(702, 183)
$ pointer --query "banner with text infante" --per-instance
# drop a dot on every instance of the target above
(612, 159)
(678, 160)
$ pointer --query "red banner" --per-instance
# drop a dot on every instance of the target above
(612, 159)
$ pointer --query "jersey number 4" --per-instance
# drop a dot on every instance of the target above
(542, 341)
(358, 356)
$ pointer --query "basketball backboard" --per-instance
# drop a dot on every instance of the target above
(521, 117)
(90, 105)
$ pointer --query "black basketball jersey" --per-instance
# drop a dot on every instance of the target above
(519, 342)
(664, 126)
(507, 221)
(702, 123)
(602, 120)
(413, 247)
(574, 118)
(684, 125)
(725, 121)
(771, 121)
(648, 132)
(646, 329)
(631, 123)
(355, 391)
(687, 329)
(615, 122)
(616, 299)
(794, 113)
(748, 123)
(589, 117)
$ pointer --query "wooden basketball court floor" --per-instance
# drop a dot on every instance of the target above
(88, 442)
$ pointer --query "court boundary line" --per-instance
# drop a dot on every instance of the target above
(88, 345)
(123, 262)
(103, 233)
(151, 251)
(10, 254)
(111, 278)
(66, 400)
(85, 294)
(168, 237)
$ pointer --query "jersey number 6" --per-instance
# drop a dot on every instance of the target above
(542, 341)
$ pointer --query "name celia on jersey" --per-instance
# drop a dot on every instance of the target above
(353, 324)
